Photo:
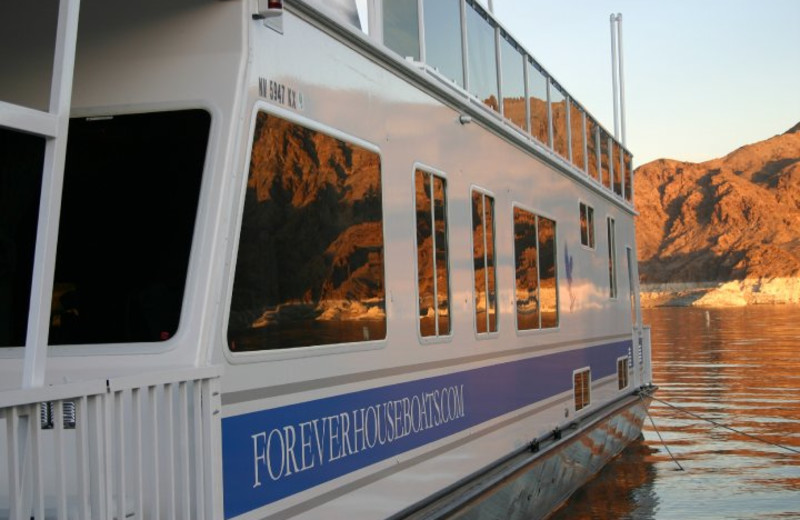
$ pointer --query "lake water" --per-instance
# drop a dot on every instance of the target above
(739, 367)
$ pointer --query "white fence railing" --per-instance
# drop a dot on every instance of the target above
(143, 447)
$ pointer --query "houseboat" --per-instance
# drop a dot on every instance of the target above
(270, 259)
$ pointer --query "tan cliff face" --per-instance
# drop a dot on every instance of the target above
(732, 218)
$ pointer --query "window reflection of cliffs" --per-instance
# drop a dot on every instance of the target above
(527, 271)
(484, 263)
(311, 248)
(434, 319)
(535, 261)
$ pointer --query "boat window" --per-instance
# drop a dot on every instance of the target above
(617, 166)
(443, 43)
(131, 188)
(21, 162)
(577, 135)
(536, 266)
(612, 258)
(591, 148)
(587, 225)
(484, 266)
(605, 163)
(401, 27)
(558, 109)
(628, 158)
(537, 99)
(582, 388)
(432, 263)
(309, 269)
(548, 282)
(481, 56)
(622, 373)
(513, 85)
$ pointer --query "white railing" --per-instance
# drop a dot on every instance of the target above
(144, 447)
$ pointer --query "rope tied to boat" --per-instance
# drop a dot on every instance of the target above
(663, 443)
(724, 426)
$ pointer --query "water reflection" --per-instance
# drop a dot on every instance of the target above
(738, 367)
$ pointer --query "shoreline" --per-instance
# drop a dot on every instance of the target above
(735, 293)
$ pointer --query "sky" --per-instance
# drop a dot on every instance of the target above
(702, 77)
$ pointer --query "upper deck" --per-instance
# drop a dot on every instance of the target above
(463, 48)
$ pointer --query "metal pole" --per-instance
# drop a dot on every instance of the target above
(614, 70)
(621, 79)
(35, 360)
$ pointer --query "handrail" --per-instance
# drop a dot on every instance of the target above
(20, 397)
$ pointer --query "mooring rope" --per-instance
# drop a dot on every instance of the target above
(663, 443)
(720, 425)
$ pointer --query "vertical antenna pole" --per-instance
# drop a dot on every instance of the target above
(614, 71)
(621, 79)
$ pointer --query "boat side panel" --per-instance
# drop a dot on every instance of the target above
(342, 92)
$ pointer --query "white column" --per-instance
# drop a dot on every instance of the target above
(50, 202)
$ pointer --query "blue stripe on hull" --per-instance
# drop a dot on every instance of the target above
(271, 454)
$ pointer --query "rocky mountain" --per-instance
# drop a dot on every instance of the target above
(732, 218)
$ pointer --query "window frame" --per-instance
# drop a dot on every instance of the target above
(489, 333)
(434, 338)
(611, 239)
(591, 227)
(187, 313)
(245, 357)
(540, 329)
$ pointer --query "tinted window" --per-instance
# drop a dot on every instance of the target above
(548, 281)
(443, 38)
(21, 161)
(401, 27)
(577, 135)
(432, 262)
(513, 83)
(526, 259)
(616, 155)
(536, 266)
(537, 99)
(628, 176)
(484, 262)
(612, 259)
(131, 188)
(591, 148)
(558, 108)
(309, 270)
(482, 57)
(605, 159)
(587, 225)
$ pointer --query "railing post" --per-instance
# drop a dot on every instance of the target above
(52, 181)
